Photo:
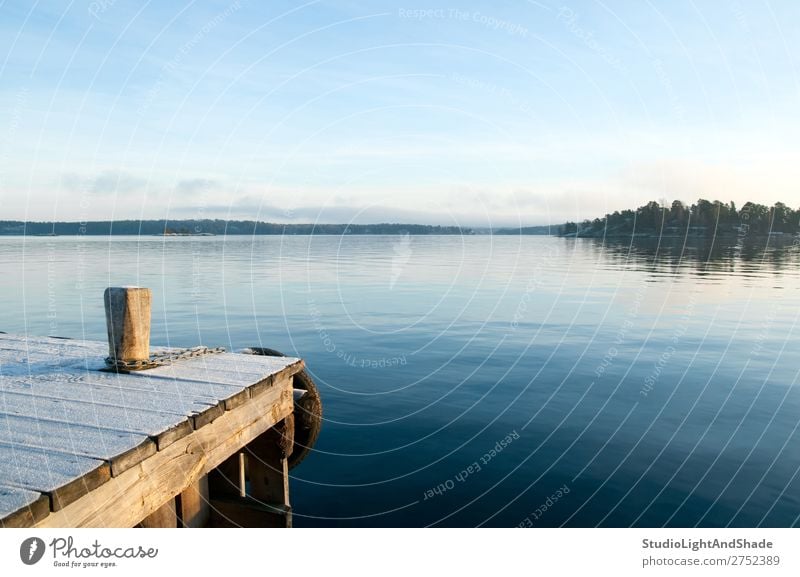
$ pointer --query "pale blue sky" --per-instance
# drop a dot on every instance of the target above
(475, 113)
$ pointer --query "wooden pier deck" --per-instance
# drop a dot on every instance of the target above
(84, 447)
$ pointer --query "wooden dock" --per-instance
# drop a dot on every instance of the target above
(201, 441)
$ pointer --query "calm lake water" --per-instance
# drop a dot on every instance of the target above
(481, 380)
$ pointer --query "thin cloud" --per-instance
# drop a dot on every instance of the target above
(195, 186)
(106, 183)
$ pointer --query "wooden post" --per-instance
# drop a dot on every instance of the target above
(269, 478)
(224, 480)
(193, 504)
(128, 323)
(242, 476)
(267, 500)
(268, 466)
(164, 517)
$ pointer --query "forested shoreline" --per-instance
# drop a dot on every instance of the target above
(211, 227)
(702, 219)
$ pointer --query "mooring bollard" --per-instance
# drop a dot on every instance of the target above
(128, 323)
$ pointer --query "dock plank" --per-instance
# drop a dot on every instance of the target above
(21, 507)
(145, 387)
(67, 347)
(232, 369)
(64, 478)
(66, 388)
(202, 387)
(60, 349)
(122, 450)
(149, 423)
(240, 366)
(65, 436)
(258, 375)
(20, 355)
(106, 390)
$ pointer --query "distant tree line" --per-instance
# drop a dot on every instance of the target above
(703, 218)
(529, 230)
(215, 227)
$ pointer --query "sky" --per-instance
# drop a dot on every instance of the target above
(455, 113)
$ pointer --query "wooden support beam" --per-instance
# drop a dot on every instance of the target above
(242, 475)
(267, 500)
(164, 517)
(193, 505)
(223, 482)
(268, 469)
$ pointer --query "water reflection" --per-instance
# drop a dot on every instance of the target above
(701, 257)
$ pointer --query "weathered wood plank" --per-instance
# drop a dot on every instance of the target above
(193, 505)
(210, 378)
(162, 427)
(290, 370)
(20, 355)
(207, 417)
(68, 347)
(201, 375)
(21, 507)
(64, 478)
(39, 352)
(141, 490)
(121, 449)
(76, 349)
(202, 388)
(245, 363)
(248, 368)
(229, 387)
(257, 379)
(218, 387)
(101, 389)
(71, 352)
(172, 389)
(185, 379)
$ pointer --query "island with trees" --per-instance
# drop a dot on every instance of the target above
(703, 219)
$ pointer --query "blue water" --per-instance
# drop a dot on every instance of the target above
(481, 380)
